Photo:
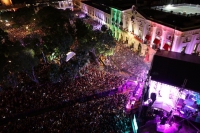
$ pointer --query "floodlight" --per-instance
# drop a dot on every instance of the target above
(169, 6)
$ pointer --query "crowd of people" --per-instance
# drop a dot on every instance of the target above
(19, 33)
(27, 98)
(127, 61)
(104, 115)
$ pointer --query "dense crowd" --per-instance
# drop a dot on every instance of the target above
(127, 61)
(27, 98)
(104, 115)
(99, 115)
(19, 33)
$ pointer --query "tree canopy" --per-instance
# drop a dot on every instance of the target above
(63, 34)
(83, 31)
(26, 62)
(4, 51)
(7, 15)
(49, 17)
(23, 16)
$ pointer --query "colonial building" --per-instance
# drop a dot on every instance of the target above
(65, 4)
(117, 19)
(173, 28)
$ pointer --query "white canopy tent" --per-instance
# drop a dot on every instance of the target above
(70, 55)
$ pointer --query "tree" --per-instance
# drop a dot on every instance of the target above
(3, 62)
(49, 47)
(49, 17)
(99, 43)
(19, 1)
(3, 36)
(54, 73)
(10, 75)
(106, 42)
(71, 69)
(3, 52)
(33, 42)
(7, 15)
(83, 31)
(26, 63)
(23, 16)
(64, 42)
(104, 28)
(67, 13)
(57, 43)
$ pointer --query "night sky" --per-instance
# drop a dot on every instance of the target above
(118, 1)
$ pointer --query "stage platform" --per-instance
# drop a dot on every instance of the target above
(153, 126)
(166, 105)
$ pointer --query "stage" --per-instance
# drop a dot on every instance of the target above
(165, 96)
(182, 102)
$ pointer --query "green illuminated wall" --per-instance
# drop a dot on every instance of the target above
(116, 17)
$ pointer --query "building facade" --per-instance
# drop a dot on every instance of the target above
(134, 29)
(65, 4)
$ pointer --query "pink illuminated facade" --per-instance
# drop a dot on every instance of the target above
(100, 16)
(131, 27)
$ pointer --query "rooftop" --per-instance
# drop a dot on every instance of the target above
(182, 16)
(122, 6)
(179, 56)
(99, 6)
(175, 69)
(181, 8)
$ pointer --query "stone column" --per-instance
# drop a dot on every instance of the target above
(59, 4)
(153, 34)
(124, 21)
(178, 46)
(136, 27)
(164, 35)
(191, 44)
(66, 4)
(129, 25)
(174, 45)
(145, 30)
(115, 32)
